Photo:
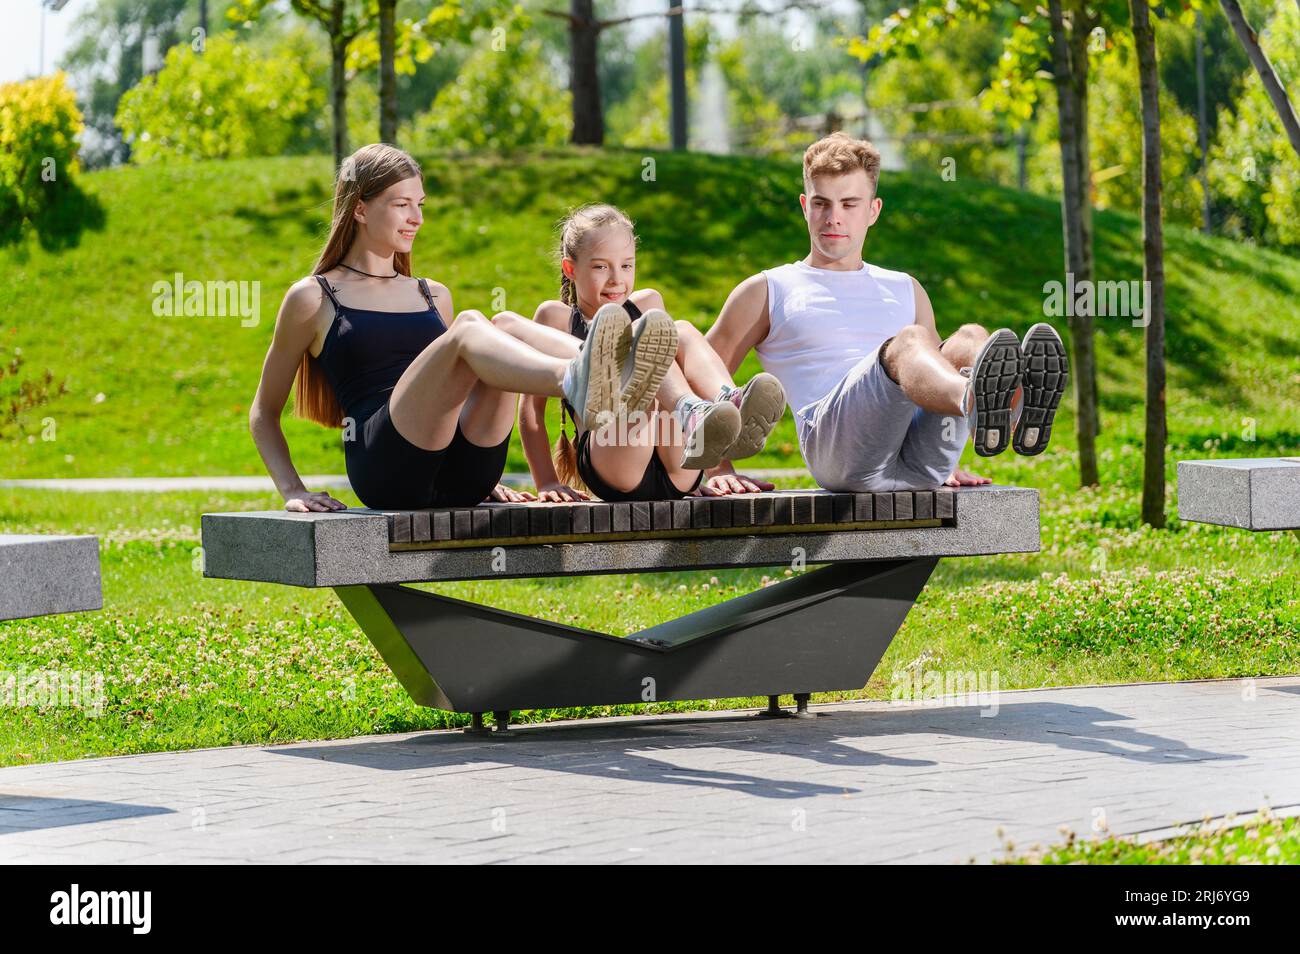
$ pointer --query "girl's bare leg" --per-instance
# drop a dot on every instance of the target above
(704, 370)
(669, 449)
(472, 359)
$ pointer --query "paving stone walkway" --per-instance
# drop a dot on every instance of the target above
(861, 782)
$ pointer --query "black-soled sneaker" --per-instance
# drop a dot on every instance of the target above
(994, 377)
(1045, 369)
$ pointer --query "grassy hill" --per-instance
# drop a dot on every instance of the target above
(152, 395)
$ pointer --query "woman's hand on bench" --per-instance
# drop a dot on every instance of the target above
(306, 501)
(559, 493)
(504, 494)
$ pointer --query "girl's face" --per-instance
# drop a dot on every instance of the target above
(394, 216)
(604, 271)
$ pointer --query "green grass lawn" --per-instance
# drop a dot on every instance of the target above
(1261, 839)
(189, 661)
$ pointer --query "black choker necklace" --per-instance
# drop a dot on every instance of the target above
(360, 272)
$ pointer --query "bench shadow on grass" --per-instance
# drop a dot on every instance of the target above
(21, 813)
(640, 751)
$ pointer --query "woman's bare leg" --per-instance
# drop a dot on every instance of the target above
(429, 397)
(552, 341)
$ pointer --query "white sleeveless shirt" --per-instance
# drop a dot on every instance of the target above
(823, 322)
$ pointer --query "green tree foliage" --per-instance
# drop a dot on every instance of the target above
(1254, 172)
(1114, 129)
(106, 59)
(504, 96)
(39, 125)
(227, 102)
(950, 75)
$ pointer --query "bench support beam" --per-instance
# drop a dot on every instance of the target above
(822, 630)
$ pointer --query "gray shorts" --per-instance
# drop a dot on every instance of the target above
(867, 435)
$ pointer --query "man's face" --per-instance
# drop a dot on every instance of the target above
(839, 210)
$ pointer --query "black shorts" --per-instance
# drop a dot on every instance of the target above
(655, 484)
(388, 472)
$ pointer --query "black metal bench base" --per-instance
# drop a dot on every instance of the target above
(823, 630)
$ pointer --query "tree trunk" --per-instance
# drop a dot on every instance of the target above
(1272, 85)
(1153, 250)
(338, 83)
(1074, 197)
(584, 80)
(1080, 34)
(387, 72)
(1203, 124)
(677, 78)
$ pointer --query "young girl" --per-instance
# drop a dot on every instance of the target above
(426, 406)
(664, 454)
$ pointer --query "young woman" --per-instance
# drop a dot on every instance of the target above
(664, 454)
(426, 407)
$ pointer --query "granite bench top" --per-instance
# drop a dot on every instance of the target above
(1255, 494)
(362, 546)
(41, 575)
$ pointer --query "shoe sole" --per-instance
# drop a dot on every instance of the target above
(760, 410)
(1046, 368)
(995, 375)
(713, 436)
(653, 353)
(608, 339)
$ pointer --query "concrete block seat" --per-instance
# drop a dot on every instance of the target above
(41, 575)
(1258, 494)
(820, 630)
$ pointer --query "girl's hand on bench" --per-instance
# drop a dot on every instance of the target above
(719, 485)
(506, 494)
(305, 501)
(560, 493)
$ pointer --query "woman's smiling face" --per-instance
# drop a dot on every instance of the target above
(395, 215)
(604, 270)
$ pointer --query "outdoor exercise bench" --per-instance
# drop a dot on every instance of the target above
(1260, 494)
(819, 630)
(43, 575)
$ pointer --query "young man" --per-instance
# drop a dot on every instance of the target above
(879, 401)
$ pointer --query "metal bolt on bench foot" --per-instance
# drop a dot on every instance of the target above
(476, 726)
(773, 710)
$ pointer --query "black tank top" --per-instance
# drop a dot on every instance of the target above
(365, 352)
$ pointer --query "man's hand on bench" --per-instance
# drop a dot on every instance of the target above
(964, 478)
(723, 480)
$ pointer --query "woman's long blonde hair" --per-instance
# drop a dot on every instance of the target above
(362, 176)
(575, 231)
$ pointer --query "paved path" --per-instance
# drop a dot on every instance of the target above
(253, 484)
(861, 782)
